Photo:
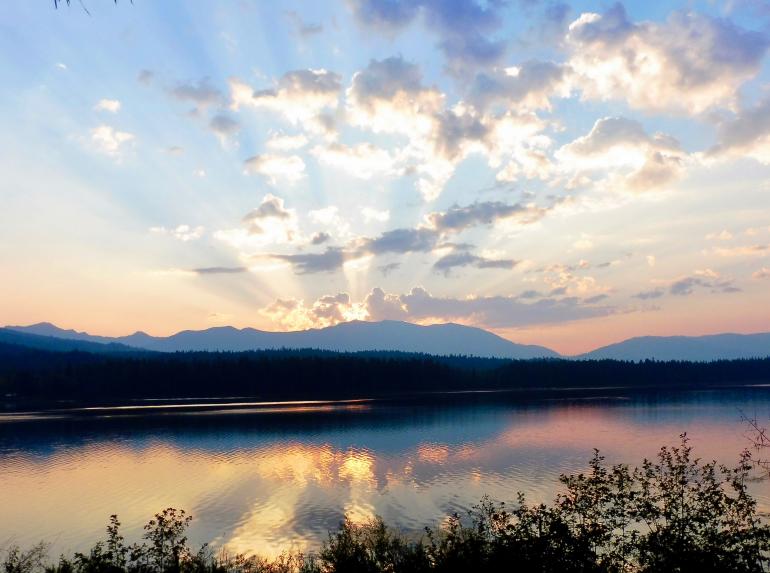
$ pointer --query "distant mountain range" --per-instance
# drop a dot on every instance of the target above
(692, 348)
(438, 339)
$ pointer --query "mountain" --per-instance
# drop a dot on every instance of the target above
(437, 339)
(59, 344)
(693, 348)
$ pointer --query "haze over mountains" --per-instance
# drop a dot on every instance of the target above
(438, 339)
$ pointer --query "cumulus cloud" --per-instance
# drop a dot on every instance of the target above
(419, 305)
(276, 168)
(465, 28)
(690, 63)
(746, 134)
(763, 273)
(109, 105)
(328, 310)
(182, 233)
(528, 86)
(623, 156)
(111, 141)
(388, 96)
(300, 96)
(270, 223)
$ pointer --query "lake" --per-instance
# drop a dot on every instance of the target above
(266, 477)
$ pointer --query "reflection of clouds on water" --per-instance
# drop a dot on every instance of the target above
(256, 486)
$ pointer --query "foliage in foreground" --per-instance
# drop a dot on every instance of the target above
(676, 514)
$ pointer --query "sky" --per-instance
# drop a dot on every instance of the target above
(565, 174)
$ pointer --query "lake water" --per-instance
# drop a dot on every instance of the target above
(261, 478)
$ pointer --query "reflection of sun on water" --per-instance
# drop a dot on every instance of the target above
(267, 495)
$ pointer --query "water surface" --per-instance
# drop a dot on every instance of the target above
(266, 477)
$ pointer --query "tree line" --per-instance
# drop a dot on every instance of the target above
(290, 374)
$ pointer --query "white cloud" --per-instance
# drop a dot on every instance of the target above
(111, 141)
(270, 223)
(689, 64)
(623, 156)
(276, 168)
(280, 142)
(369, 214)
(182, 233)
(300, 96)
(363, 161)
(110, 105)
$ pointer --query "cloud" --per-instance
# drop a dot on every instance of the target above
(224, 126)
(763, 273)
(465, 28)
(270, 223)
(742, 251)
(723, 235)
(421, 239)
(369, 214)
(465, 259)
(111, 141)
(746, 134)
(109, 105)
(145, 77)
(706, 279)
(689, 64)
(278, 142)
(220, 270)
(528, 86)
(650, 294)
(307, 263)
(458, 218)
(418, 305)
(363, 161)
(301, 28)
(300, 96)
(388, 96)
(499, 311)
(402, 241)
(182, 233)
(276, 168)
(623, 156)
(201, 93)
(320, 238)
(388, 268)
(326, 311)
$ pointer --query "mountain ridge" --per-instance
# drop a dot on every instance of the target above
(438, 339)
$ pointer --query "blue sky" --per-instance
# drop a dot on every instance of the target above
(562, 173)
